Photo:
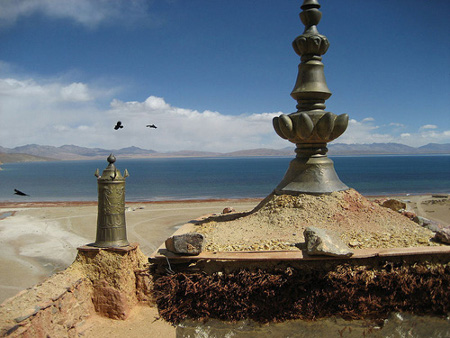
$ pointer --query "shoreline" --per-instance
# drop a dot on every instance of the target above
(11, 157)
(35, 204)
(31, 204)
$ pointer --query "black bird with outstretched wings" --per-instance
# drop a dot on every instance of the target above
(118, 125)
(20, 193)
(151, 126)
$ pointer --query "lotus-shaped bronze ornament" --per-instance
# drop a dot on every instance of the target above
(306, 128)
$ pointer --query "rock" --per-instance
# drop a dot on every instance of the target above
(188, 244)
(228, 210)
(427, 223)
(354, 243)
(443, 235)
(419, 220)
(433, 226)
(325, 242)
(409, 214)
(394, 204)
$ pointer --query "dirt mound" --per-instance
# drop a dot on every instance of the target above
(278, 222)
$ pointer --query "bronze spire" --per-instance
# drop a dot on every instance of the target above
(310, 127)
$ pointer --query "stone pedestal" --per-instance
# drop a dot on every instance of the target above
(116, 275)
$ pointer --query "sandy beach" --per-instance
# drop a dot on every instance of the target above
(39, 239)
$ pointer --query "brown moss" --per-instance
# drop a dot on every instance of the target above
(352, 292)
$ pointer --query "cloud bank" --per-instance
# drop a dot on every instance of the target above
(59, 113)
(53, 112)
(366, 131)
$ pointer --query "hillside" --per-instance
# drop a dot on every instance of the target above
(15, 158)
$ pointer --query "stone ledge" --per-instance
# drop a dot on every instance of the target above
(290, 255)
(55, 306)
(110, 281)
(128, 248)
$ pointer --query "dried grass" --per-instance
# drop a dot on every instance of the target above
(351, 292)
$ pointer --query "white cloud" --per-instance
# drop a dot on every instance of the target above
(180, 128)
(368, 119)
(53, 92)
(86, 12)
(361, 132)
(394, 124)
(84, 128)
(155, 103)
(429, 126)
(55, 113)
(60, 128)
(75, 92)
(422, 137)
(44, 112)
(263, 116)
(51, 112)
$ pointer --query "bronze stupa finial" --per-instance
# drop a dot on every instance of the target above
(310, 127)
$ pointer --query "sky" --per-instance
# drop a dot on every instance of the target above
(211, 74)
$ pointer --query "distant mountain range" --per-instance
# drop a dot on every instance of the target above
(387, 149)
(34, 152)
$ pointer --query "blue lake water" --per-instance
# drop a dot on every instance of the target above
(203, 178)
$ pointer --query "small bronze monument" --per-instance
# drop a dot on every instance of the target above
(111, 226)
(310, 128)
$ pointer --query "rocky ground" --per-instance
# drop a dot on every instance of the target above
(278, 223)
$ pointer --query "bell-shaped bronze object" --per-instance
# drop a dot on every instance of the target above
(111, 225)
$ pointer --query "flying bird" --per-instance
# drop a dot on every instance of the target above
(118, 125)
(151, 126)
(20, 193)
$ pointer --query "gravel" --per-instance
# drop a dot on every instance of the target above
(278, 223)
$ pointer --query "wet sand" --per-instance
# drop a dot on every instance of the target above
(39, 239)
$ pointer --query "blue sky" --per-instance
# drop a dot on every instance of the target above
(212, 74)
